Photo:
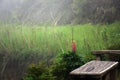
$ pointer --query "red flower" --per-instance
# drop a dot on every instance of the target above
(73, 46)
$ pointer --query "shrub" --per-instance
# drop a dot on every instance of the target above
(38, 72)
(65, 63)
(60, 69)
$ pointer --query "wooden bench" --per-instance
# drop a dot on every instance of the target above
(96, 70)
(110, 53)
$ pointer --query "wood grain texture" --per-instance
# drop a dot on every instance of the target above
(106, 52)
(95, 68)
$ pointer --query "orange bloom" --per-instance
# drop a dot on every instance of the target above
(73, 46)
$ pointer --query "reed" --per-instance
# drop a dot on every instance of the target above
(53, 40)
(24, 44)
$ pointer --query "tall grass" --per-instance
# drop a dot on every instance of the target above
(31, 44)
(52, 40)
(48, 39)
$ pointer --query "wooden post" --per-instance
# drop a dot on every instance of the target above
(113, 74)
(98, 57)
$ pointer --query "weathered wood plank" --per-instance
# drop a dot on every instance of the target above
(94, 68)
(112, 54)
(106, 52)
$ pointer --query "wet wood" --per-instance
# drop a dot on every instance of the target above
(106, 52)
(112, 54)
(96, 69)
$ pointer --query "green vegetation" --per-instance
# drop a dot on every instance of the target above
(38, 72)
(65, 63)
(60, 69)
(22, 45)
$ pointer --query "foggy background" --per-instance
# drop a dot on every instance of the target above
(59, 11)
(35, 11)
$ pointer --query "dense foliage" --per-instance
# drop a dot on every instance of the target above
(60, 69)
(38, 72)
(65, 63)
